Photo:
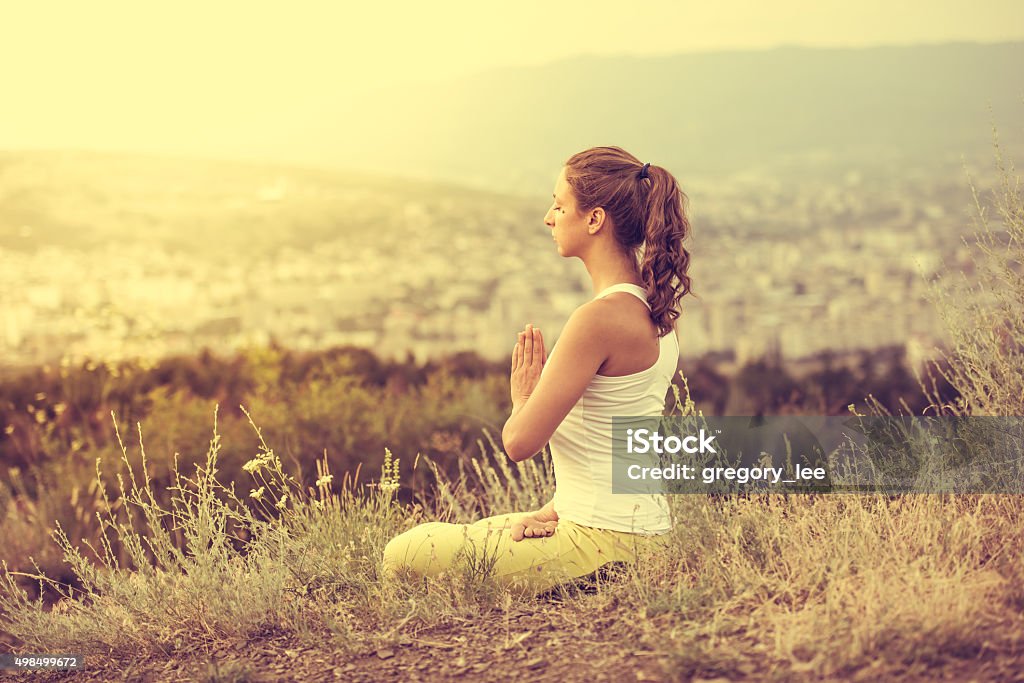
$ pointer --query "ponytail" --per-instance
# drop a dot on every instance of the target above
(664, 260)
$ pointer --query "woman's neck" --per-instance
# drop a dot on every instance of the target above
(611, 274)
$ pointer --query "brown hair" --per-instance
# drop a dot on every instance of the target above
(649, 221)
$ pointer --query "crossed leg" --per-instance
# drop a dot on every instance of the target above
(486, 547)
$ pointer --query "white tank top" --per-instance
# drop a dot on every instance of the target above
(581, 445)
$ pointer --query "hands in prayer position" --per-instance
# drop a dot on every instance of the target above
(528, 358)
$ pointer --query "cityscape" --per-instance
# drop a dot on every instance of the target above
(792, 266)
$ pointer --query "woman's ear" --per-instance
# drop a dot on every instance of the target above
(595, 221)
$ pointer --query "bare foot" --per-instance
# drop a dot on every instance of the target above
(529, 526)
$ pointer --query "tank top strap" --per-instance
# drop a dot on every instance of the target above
(635, 290)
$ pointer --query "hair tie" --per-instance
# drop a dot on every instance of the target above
(643, 171)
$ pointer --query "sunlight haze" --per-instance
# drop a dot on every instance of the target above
(231, 78)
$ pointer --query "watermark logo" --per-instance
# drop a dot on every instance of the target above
(673, 454)
(647, 441)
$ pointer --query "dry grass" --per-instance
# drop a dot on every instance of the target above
(818, 585)
(983, 312)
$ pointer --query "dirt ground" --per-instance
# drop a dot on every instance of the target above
(536, 646)
(544, 643)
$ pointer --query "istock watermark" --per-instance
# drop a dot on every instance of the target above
(791, 454)
(645, 440)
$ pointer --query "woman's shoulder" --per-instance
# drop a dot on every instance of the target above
(618, 311)
(603, 325)
(590, 316)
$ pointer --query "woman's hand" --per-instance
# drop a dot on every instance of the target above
(528, 358)
(529, 526)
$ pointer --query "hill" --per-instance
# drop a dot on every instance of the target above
(699, 113)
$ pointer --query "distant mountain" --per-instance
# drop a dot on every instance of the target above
(796, 111)
(715, 112)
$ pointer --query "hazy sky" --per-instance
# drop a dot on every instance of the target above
(121, 74)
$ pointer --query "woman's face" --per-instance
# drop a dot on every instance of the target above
(568, 227)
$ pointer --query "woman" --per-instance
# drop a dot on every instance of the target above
(616, 356)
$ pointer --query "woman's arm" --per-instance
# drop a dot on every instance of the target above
(538, 408)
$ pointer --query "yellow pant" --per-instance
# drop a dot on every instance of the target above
(531, 565)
